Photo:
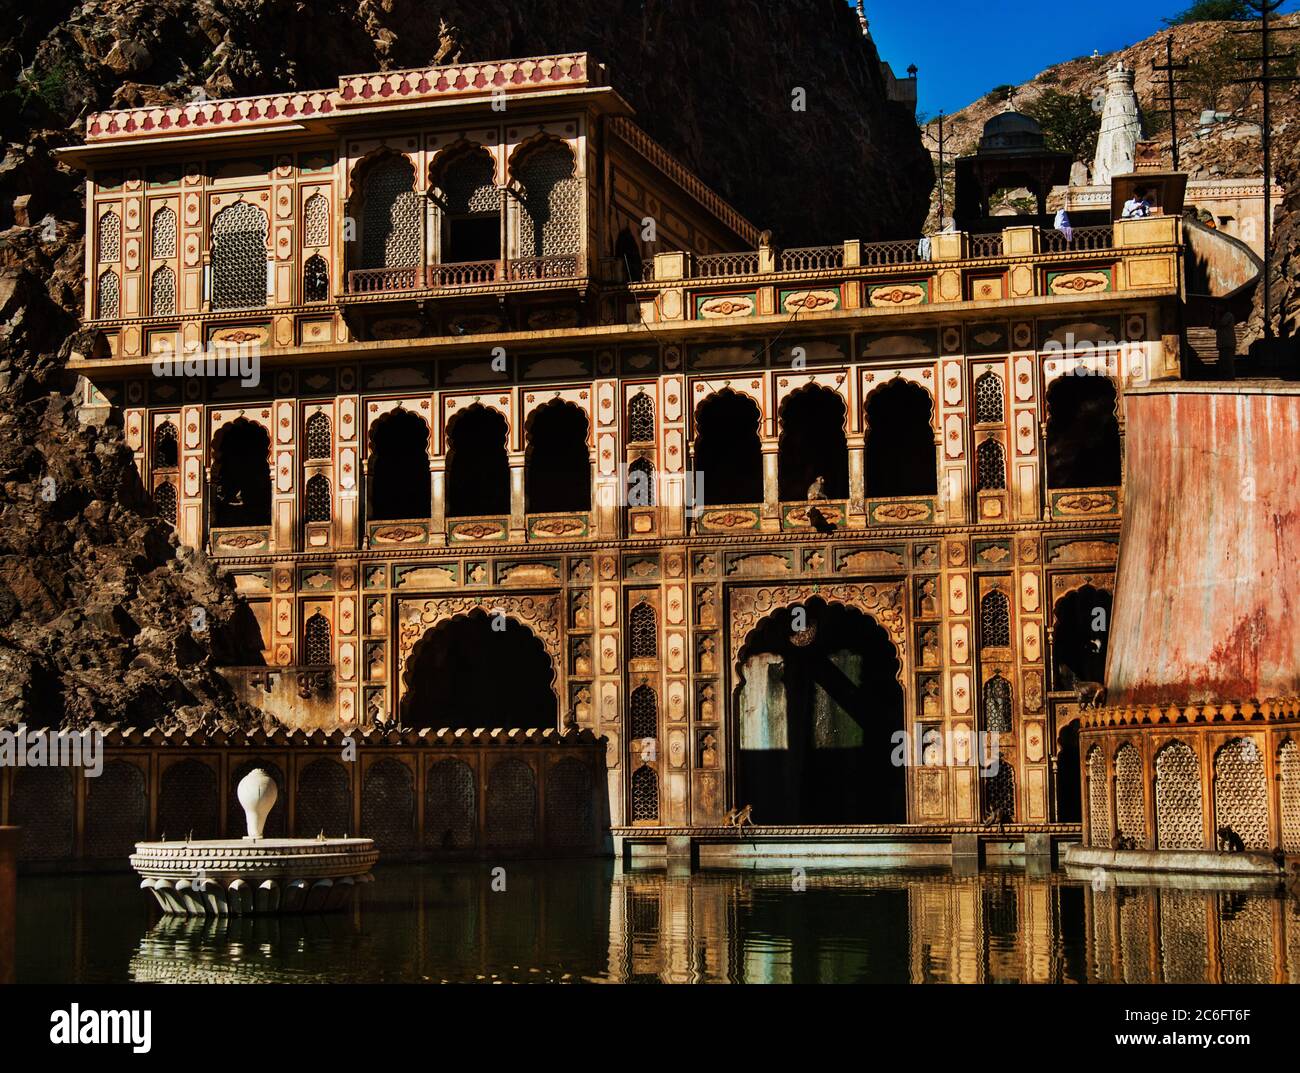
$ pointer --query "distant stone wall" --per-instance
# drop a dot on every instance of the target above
(459, 795)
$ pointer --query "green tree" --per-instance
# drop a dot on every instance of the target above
(1070, 122)
(1213, 11)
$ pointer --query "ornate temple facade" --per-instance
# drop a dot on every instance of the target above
(499, 417)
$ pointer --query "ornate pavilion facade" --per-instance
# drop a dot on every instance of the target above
(544, 433)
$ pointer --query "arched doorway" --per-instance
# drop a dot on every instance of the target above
(900, 442)
(399, 467)
(557, 467)
(1069, 789)
(819, 703)
(1080, 636)
(478, 469)
(479, 670)
(728, 451)
(1082, 433)
(813, 445)
(241, 475)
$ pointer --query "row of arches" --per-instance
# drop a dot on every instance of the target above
(557, 468)
(1083, 449)
(1239, 795)
(463, 215)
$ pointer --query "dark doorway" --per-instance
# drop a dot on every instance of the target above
(557, 470)
(813, 445)
(819, 708)
(399, 467)
(900, 442)
(1069, 791)
(471, 208)
(1082, 433)
(627, 251)
(728, 452)
(241, 475)
(1080, 636)
(478, 471)
(479, 670)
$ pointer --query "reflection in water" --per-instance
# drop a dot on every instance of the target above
(587, 920)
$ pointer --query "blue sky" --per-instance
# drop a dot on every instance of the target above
(964, 48)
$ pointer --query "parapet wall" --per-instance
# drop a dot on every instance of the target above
(454, 794)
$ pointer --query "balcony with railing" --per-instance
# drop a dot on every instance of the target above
(461, 275)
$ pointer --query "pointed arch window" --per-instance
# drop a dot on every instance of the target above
(318, 498)
(164, 496)
(990, 466)
(316, 222)
(315, 279)
(645, 795)
(995, 621)
(997, 705)
(108, 293)
(644, 707)
(109, 237)
(239, 257)
(988, 399)
(641, 484)
(641, 418)
(318, 436)
(165, 450)
(644, 640)
(162, 291)
(162, 234)
(552, 197)
(392, 216)
(316, 641)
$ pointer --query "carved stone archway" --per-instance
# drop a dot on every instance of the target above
(883, 601)
(539, 613)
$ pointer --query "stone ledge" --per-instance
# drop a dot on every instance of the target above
(1169, 860)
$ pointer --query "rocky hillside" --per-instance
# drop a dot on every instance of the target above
(102, 617)
(1229, 149)
(711, 79)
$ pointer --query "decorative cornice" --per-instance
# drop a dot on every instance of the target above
(1210, 716)
(451, 81)
(335, 738)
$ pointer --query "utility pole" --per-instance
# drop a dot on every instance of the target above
(1167, 69)
(1266, 79)
(941, 198)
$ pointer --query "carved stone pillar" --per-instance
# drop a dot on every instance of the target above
(771, 522)
(518, 522)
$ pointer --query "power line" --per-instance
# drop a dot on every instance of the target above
(1167, 69)
(1266, 79)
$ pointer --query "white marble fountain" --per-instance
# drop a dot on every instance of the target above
(220, 877)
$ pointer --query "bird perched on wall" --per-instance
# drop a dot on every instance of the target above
(817, 490)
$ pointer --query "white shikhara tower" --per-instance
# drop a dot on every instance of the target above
(1121, 127)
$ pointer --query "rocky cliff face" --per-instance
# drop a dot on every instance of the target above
(102, 617)
(711, 79)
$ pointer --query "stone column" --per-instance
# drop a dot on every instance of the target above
(438, 500)
(857, 479)
(771, 493)
(518, 521)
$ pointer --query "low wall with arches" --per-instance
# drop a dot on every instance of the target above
(455, 794)
(1169, 779)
